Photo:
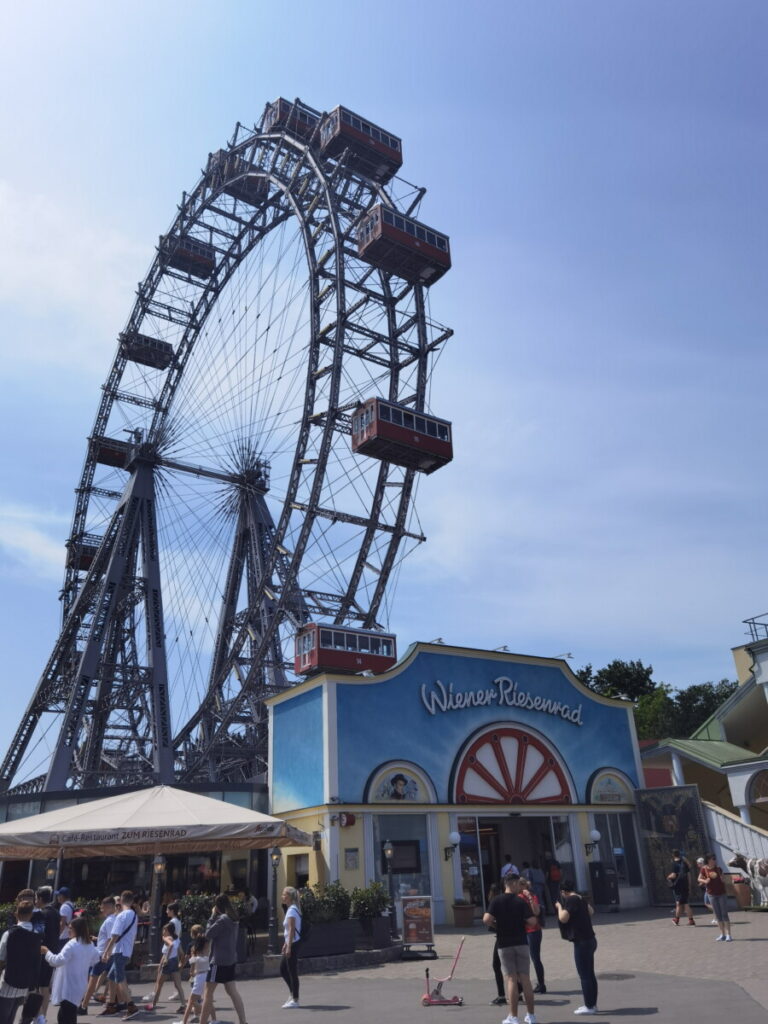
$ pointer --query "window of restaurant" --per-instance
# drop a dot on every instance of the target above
(410, 862)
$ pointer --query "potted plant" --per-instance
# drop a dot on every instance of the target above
(463, 913)
(326, 909)
(367, 907)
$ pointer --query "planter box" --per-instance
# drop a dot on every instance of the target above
(463, 917)
(329, 939)
(372, 933)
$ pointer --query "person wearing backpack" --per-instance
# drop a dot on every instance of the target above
(66, 910)
(20, 950)
(575, 917)
(46, 924)
(289, 964)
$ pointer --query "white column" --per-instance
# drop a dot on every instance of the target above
(744, 814)
(677, 769)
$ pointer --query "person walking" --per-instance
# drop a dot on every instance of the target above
(46, 921)
(99, 968)
(168, 967)
(509, 915)
(71, 966)
(679, 879)
(289, 964)
(66, 909)
(534, 933)
(199, 963)
(712, 876)
(576, 914)
(221, 932)
(500, 998)
(20, 951)
(117, 954)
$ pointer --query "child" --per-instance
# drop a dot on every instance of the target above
(169, 966)
(199, 964)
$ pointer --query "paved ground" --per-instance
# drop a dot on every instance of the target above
(646, 967)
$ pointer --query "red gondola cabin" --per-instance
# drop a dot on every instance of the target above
(374, 153)
(294, 118)
(322, 648)
(403, 246)
(395, 433)
(190, 255)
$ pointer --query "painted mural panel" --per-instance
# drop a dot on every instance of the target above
(670, 818)
(429, 711)
(297, 752)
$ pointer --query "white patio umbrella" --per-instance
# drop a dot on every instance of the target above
(147, 821)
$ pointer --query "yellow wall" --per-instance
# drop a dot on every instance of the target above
(351, 838)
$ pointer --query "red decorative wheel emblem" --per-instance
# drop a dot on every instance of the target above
(508, 766)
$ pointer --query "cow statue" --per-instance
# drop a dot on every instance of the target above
(756, 870)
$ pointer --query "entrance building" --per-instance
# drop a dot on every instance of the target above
(510, 753)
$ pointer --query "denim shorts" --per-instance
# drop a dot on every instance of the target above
(171, 966)
(117, 967)
(98, 969)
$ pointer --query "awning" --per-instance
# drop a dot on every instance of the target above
(146, 821)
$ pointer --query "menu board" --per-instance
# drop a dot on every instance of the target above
(417, 920)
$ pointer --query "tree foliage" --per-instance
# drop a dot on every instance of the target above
(660, 710)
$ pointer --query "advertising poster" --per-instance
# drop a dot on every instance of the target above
(417, 920)
(671, 818)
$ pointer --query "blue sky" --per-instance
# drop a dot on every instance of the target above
(600, 168)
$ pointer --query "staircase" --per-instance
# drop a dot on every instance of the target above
(728, 834)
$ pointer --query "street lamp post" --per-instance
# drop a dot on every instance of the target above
(276, 857)
(389, 852)
(155, 901)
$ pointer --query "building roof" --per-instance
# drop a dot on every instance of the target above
(716, 753)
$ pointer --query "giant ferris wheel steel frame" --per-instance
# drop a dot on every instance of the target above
(220, 506)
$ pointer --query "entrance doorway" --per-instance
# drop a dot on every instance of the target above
(535, 839)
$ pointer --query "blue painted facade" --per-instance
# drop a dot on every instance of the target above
(297, 751)
(427, 710)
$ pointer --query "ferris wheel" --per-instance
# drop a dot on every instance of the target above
(253, 460)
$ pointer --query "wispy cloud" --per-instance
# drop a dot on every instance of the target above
(31, 540)
(58, 261)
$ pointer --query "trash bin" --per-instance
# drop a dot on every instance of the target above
(743, 892)
(605, 885)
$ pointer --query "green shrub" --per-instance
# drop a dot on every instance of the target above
(369, 902)
(324, 904)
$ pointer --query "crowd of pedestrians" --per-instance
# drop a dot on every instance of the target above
(50, 957)
(517, 916)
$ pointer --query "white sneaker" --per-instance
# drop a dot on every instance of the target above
(586, 1010)
(290, 1004)
(510, 1020)
(530, 1018)
(40, 1019)
(729, 938)
(720, 938)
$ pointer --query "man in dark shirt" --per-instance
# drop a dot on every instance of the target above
(509, 914)
(576, 914)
